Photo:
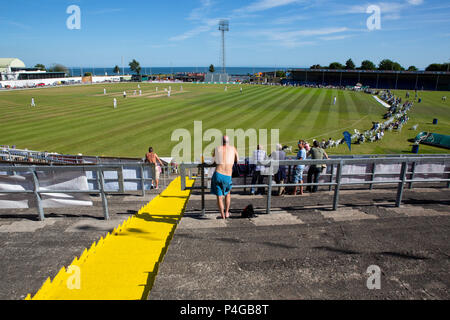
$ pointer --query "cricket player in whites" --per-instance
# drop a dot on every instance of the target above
(115, 103)
(33, 104)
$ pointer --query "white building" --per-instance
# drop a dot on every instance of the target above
(12, 69)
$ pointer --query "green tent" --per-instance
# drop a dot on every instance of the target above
(434, 139)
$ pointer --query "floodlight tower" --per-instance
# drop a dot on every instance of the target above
(224, 26)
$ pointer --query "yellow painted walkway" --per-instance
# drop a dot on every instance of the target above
(124, 264)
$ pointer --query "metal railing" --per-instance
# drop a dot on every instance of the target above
(18, 155)
(97, 183)
(407, 174)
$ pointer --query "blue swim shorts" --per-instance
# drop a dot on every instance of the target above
(298, 175)
(221, 185)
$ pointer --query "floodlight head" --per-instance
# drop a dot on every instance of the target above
(224, 25)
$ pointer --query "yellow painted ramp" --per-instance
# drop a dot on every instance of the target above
(124, 264)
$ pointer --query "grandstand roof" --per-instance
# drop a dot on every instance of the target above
(6, 63)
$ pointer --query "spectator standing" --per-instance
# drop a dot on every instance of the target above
(280, 176)
(258, 155)
(225, 156)
(315, 170)
(307, 146)
(298, 175)
(152, 158)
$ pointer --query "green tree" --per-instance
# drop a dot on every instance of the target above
(413, 68)
(281, 74)
(116, 69)
(387, 64)
(212, 69)
(40, 67)
(438, 67)
(368, 65)
(350, 65)
(336, 66)
(56, 67)
(316, 66)
(135, 66)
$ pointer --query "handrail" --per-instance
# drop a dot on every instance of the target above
(99, 179)
(401, 178)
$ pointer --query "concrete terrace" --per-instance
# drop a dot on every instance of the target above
(301, 251)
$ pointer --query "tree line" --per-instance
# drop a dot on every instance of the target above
(384, 65)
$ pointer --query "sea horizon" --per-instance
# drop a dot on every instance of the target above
(98, 71)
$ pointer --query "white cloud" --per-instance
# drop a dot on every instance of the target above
(289, 19)
(415, 2)
(301, 37)
(262, 5)
(332, 38)
(200, 12)
(191, 33)
(386, 7)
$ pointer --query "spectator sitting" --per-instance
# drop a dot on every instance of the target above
(329, 143)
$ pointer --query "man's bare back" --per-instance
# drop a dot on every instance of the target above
(225, 156)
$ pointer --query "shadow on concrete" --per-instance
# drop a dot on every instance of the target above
(401, 255)
(152, 275)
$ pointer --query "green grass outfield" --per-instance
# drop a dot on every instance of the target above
(80, 119)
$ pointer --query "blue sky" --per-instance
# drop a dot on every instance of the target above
(284, 33)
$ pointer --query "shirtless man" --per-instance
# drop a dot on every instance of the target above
(152, 157)
(221, 184)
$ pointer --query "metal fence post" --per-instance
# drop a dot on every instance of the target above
(373, 176)
(413, 170)
(338, 186)
(331, 178)
(183, 177)
(142, 180)
(269, 190)
(401, 185)
(38, 196)
(202, 168)
(247, 167)
(103, 195)
(121, 181)
(448, 183)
